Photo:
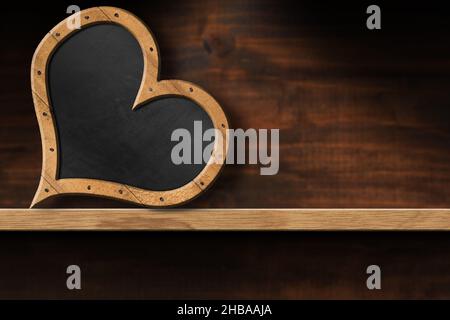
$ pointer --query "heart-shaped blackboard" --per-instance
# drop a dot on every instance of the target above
(106, 120)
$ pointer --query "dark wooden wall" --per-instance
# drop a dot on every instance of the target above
(364, 119)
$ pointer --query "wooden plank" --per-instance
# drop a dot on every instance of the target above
(224, 219)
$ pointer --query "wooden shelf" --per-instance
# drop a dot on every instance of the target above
(224, 219)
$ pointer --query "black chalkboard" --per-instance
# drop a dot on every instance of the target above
(93, 79)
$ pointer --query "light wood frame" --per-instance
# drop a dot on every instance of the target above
(151, 88)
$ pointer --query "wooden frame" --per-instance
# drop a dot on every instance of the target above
(225, 219)
(150, 88)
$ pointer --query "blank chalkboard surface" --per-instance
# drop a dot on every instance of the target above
(94, 77)
(107, 121)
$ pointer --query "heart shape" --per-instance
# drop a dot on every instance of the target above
(106, 119)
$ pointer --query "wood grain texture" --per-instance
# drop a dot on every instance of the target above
(364, 118)
(367, 125)
(224, 265)
(225, 219)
